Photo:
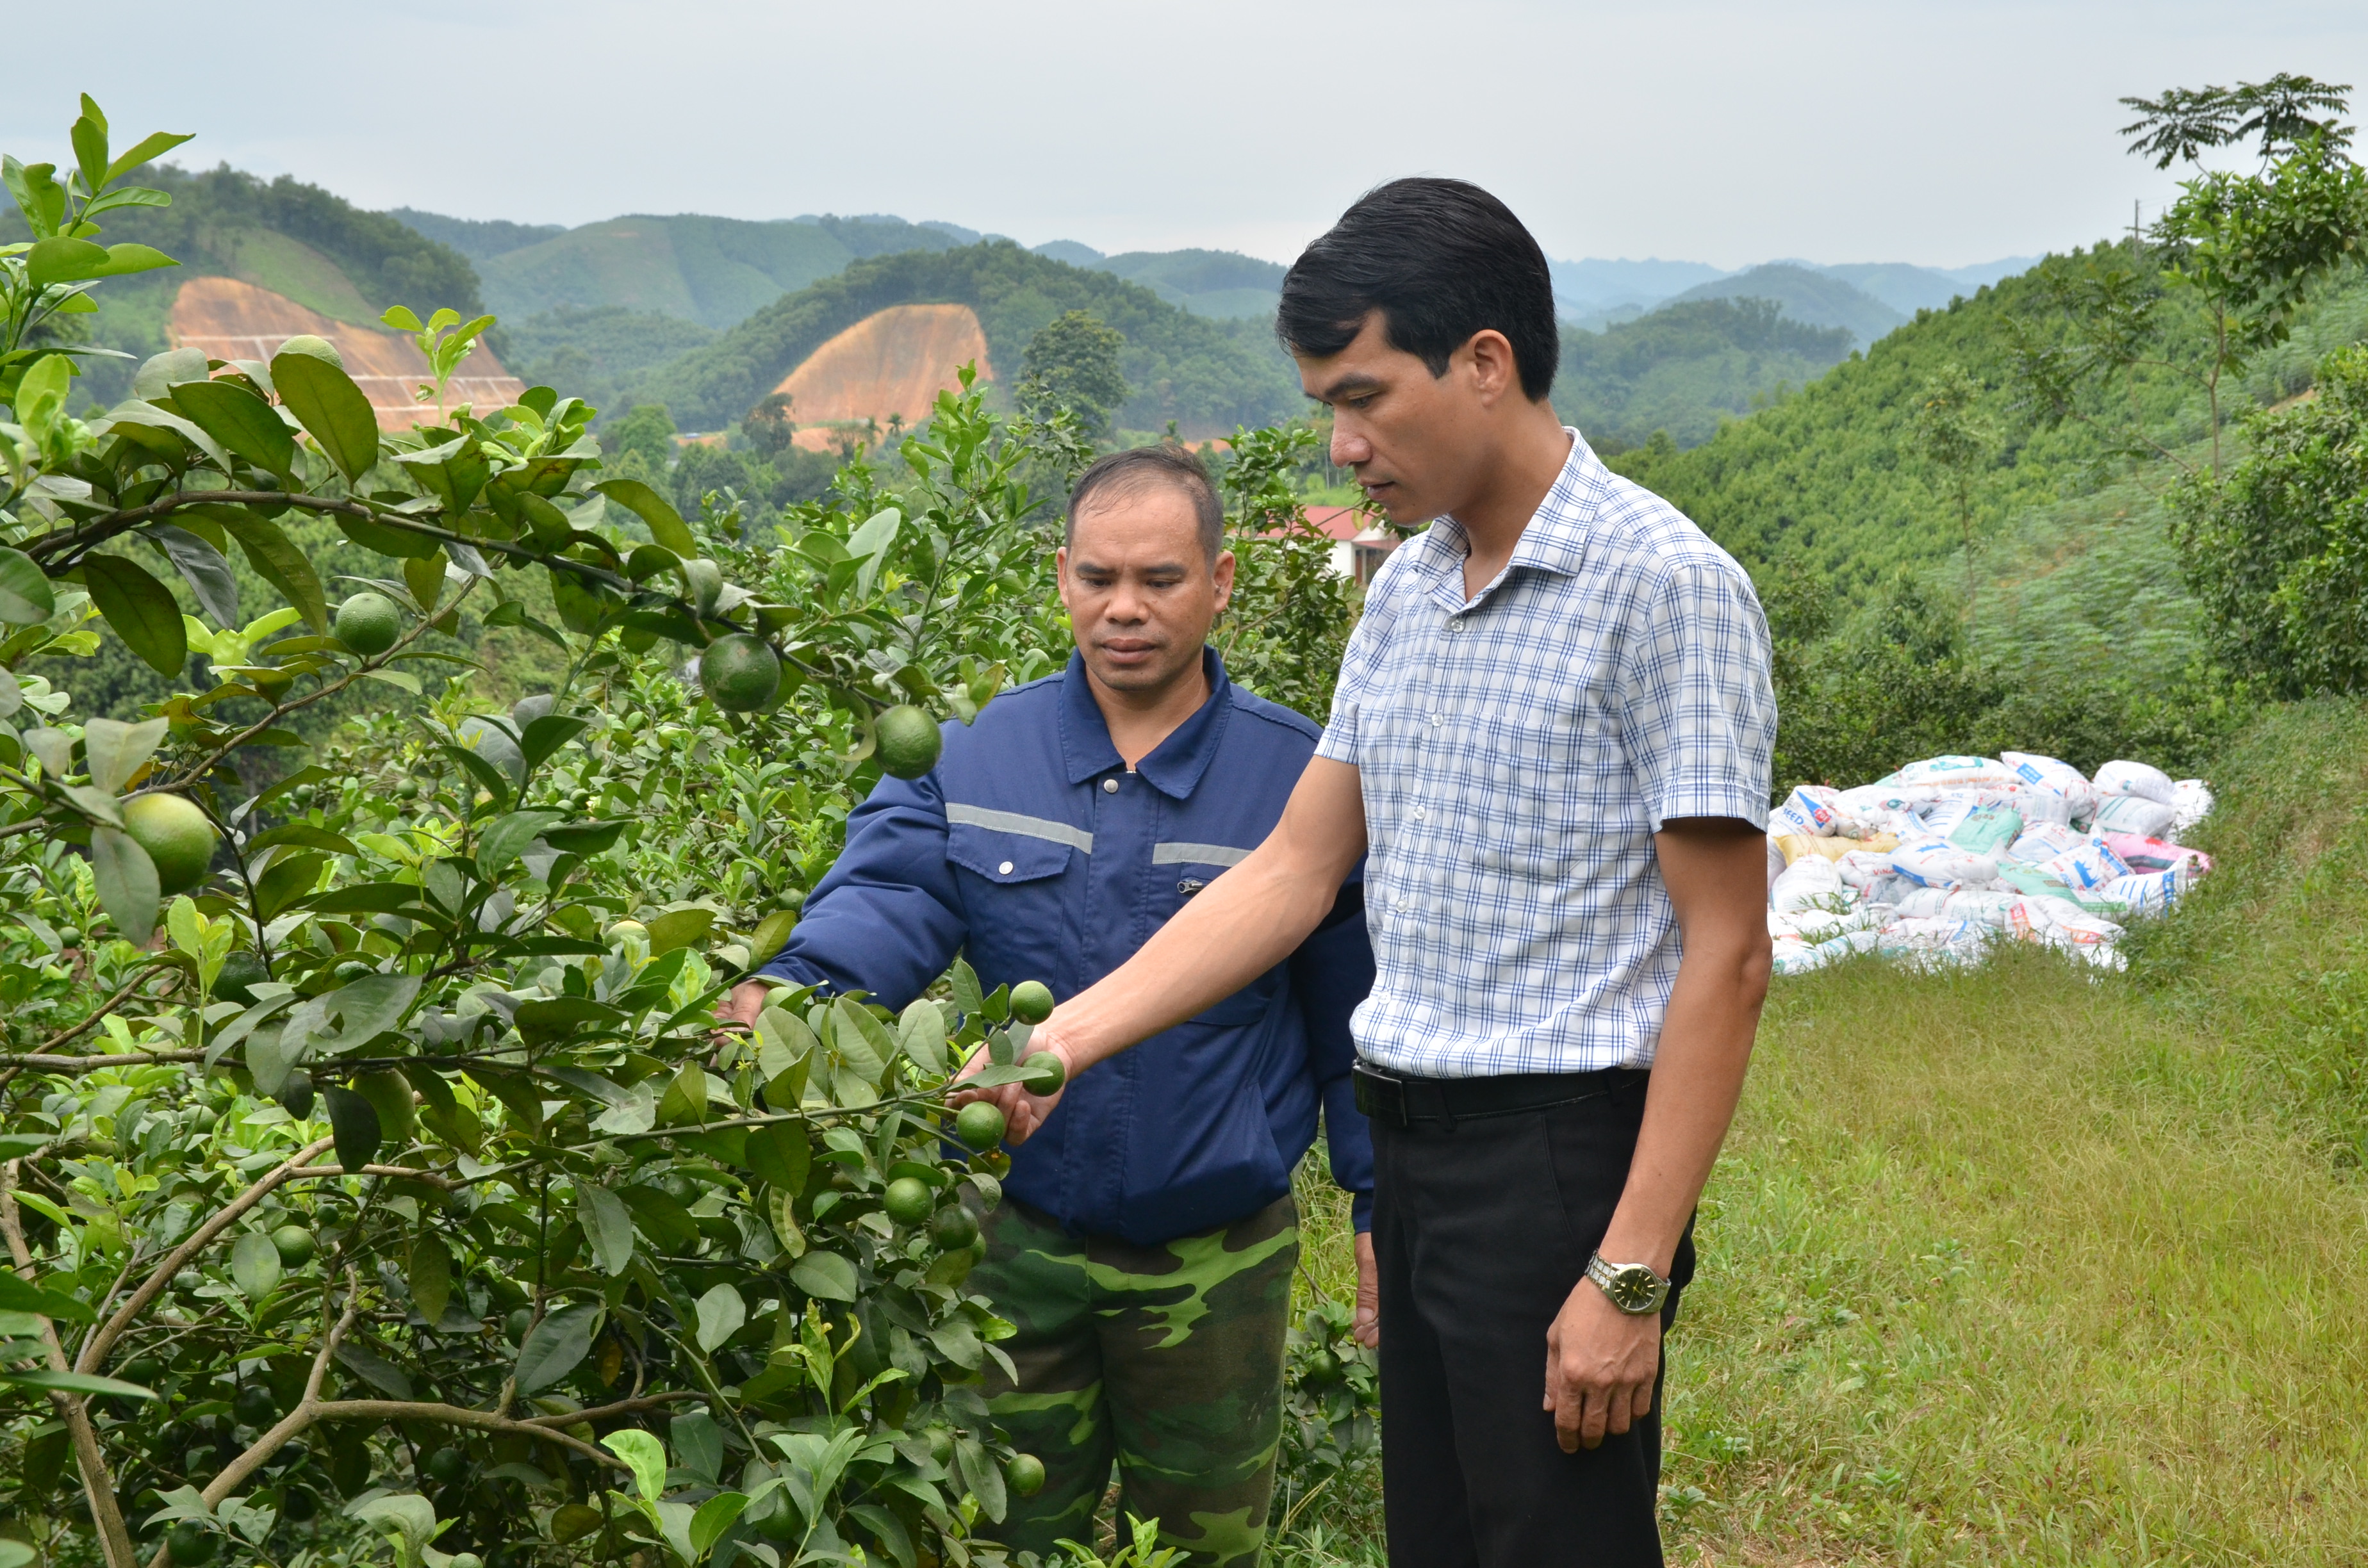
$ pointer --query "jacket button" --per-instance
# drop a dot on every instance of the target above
(1005, 868)
(1110, 786)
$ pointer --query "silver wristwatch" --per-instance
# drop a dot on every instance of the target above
(1634, 1287)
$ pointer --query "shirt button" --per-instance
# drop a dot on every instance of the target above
(1436, 721)
(1110, 786)
(1005, 868)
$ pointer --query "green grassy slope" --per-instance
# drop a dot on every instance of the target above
(1205, 282)
(1207, 375)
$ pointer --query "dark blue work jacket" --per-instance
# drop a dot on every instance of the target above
(1032, 850)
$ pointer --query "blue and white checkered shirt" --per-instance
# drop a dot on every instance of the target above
(1517, 753)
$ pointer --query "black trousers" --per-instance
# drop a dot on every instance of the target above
(1481, 1228)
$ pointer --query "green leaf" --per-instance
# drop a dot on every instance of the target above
(430, 1277)
(61, 260)
(241, 421)
(140, 609)
(203, 568)
(780, 1156)
(678, 928)
(127, 881)
(722, 1313)
(967, 1000)
(825, 1276)
(771, 935)
(862, 1041)
(697, 1445)
(88, 135)
(276, 560)
(666, 524)
(117, 750)
(715, 1517)
(331, 408)
(555, 1346)
(547, 735)
(381, 539)
(16, 1296)
(494, 780)
(921, 1031)
(25, 596)
(155, 146)
(354, 1122)
(643, 1452)
(584, 837)
(254, 1265)
(608, 1226)
(506, 836)
(870, 544)
(547, 1017)
(77, 1382)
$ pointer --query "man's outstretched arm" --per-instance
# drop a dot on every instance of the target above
(1241, 925)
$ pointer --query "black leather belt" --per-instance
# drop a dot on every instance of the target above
(1396, 1099)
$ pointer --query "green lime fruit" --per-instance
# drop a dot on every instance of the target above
(178, 838)
(241, 974)
(980, 1124)
(954, 1227)
(318, 347)
(1032, 1001)
(188, 1280)
(907, 741)
(368, 623)
(253, 1406)
(465, 1560)
(704, 580)
(739, 673)
(1045, 1073)
(299, 1504)
(624, 928)
(189, 1544)
(350, 970)
(294, 1244)
(447, 1465)
(1024, 1474)
(296, 1094)
(389, 1093)
(517, 1324)
(908, 1200)
(407, 790)
(69, 936)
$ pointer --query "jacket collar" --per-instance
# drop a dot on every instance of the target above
(1175, 767)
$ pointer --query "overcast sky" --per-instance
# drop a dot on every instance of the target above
(1720, 131)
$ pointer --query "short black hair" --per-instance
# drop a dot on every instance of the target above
(1130, 473)
(1441, 259)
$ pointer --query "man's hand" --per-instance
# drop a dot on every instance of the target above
(1366, 1324)
(1023, 1113)
(1601, 1363)
(736, 1014)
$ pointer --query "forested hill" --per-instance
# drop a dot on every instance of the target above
(1206, 374)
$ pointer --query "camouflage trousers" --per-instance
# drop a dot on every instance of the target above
(1167, 1359)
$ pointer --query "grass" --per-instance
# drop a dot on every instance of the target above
(2035, 1265)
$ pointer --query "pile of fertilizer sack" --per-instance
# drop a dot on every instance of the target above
(1949, 855)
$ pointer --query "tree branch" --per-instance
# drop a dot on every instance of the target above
(94, 1355)
(114, 1537)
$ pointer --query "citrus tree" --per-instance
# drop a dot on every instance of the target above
(365, 1137)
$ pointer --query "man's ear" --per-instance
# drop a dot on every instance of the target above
(1061, 576)
(1223, 572)
(1495, 371)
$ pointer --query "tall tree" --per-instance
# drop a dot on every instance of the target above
(1958, 437)
(1072, 364)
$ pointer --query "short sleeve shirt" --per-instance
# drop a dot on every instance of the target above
(1519, 750)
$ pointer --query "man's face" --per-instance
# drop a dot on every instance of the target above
(1141, 593)
(1410, 436)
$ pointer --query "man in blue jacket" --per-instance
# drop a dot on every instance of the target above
(1146, 1240)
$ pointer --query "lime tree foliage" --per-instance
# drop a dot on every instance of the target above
(1289, 623)
(1686, 369)
(372, 1175)
(1206, 375)
(2279, 553)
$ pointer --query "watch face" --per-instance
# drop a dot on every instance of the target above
(1634, 1288)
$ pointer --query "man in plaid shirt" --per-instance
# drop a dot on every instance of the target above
(1552, 740)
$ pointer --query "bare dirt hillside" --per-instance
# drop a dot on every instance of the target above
(895, 361)
(232, 320)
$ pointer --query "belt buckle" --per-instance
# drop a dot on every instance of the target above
(1380, 1098)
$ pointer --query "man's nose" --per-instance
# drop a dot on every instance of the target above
(1348, 447)
(1126, 607)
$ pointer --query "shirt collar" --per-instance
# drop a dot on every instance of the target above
(1556, 540)
(1174, 766)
